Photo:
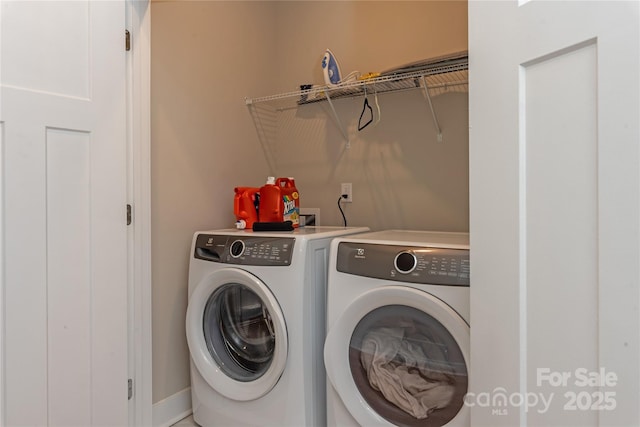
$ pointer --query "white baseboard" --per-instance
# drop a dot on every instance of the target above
(172, 409)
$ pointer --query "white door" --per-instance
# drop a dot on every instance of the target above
(64, 177)
(554, 182)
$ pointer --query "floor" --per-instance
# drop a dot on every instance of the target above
(187, 422)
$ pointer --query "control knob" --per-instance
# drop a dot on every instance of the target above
(237, 248)
(405, 262)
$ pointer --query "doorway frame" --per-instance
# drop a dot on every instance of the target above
(138, 23)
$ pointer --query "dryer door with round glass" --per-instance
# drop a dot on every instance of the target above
(398, 356)
(236, 334)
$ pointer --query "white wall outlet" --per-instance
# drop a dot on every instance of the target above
(345, 188)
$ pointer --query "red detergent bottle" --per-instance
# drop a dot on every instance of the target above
(245, 206)
(290, 200)
(271, 206)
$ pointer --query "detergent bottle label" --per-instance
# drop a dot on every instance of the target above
(289, 200)
(291, 210)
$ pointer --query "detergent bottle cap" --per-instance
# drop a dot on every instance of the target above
(241, 224)
(271, 180)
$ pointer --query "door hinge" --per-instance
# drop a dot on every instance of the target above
(129, 214)
(127, 40)
(130, 388)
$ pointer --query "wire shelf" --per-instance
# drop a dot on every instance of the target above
(438, 79)
(433, 77)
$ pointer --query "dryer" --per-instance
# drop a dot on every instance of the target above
(255, 326)
(397, 346)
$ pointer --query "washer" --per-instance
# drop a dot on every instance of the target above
(255, 326)
(397, 347)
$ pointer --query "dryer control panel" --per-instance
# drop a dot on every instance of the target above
(413, 264)
(245, 250)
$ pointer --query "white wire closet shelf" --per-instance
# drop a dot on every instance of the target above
(433, 76)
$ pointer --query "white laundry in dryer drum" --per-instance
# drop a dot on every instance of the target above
(397, 346)
(255, 326)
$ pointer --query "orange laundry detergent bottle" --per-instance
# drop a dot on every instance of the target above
(245, 206)
(290, 200)
(271, 206)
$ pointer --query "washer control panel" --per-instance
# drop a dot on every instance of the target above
(245, 250)
(424, 265)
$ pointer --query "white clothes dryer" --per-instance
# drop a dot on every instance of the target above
(255, 326)
(397, 346)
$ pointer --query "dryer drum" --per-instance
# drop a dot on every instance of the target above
(245, 333)
(408, 367)
(246, 330)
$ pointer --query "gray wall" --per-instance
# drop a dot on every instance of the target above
(207, 56)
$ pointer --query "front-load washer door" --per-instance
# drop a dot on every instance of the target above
(237, 334)
(399, 356)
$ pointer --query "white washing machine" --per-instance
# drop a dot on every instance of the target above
(255, 326)
(397, 346)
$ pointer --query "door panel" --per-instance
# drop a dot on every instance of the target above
(57, 58)
(554, 107)
(65, 285)
(68, 243)
(562, 219)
